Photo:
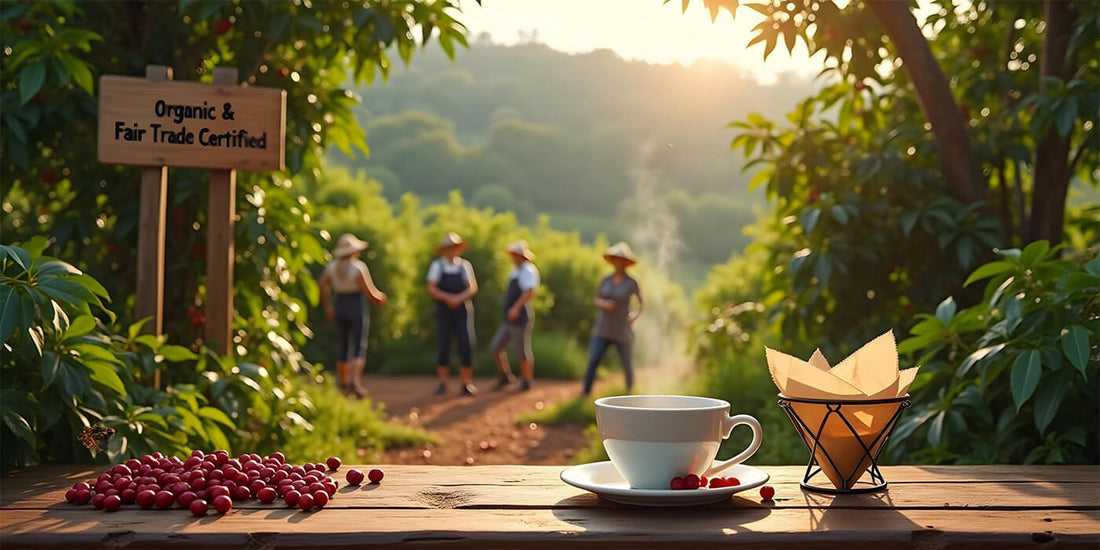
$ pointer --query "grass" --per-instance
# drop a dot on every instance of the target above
(356, 430)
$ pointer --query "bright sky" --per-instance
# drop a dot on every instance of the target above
(646, 30)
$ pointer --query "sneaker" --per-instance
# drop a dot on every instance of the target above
(525, 386)
(504, 380)
(442, 389)
(469, 389)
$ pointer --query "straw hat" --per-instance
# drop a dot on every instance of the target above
(519, 248)
(622, 251)
(348, 244)
(449, 240)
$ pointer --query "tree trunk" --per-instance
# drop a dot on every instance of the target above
(957, 158)
(1052, 170)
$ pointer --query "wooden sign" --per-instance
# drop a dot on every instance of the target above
(188, 124)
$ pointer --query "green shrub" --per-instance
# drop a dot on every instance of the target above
(355, 430)
(1012, 379)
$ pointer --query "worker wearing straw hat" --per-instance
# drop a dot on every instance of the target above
(614, 320)
(348, 277)
(515, 330)
(452, 283)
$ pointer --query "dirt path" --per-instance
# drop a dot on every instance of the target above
(463, 423)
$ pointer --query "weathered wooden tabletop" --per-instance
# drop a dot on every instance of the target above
(528, 506)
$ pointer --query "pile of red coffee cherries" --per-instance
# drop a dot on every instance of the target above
(210, 480)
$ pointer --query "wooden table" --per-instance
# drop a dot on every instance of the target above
(926, 507)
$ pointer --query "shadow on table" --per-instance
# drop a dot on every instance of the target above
(596, 516)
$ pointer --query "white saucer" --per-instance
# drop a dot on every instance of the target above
(603, 479)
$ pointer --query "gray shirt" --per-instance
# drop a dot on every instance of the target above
(613, 325)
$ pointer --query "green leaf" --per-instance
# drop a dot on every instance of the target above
(1034, 252)
(1049, 398)
(1075, 344)
(839, 214)
(104, 373)
(1066, 116)
(175, 353)
(1025, 376)
(79, 327)
(946, 310)
(809, 220)
(11, 312)
(31, 79)
(50, 365)
(977, 357)
(988, 270)
(81, 75)
(18, 255)
(216, 415)
(20, 427)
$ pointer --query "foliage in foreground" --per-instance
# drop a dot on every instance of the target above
(65, 366)
(1021, 367)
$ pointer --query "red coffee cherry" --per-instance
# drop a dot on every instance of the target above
(375, 475)
(354, 477)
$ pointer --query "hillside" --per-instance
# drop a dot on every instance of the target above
(596, 142)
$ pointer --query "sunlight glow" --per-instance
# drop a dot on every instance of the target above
(644, 30)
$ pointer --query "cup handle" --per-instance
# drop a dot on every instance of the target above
(727, 426)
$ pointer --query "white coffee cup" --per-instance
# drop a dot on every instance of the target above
(654, 438)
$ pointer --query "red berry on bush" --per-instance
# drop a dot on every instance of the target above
(282, 73)
(333, 463)
(24, 25)
(354, 477)
(375, 475)
(223, 26)
(222, 504)
(767, 492)
(676, 484)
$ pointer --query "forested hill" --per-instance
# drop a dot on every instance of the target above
(533, 130)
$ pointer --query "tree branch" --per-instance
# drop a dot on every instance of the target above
(957, 159)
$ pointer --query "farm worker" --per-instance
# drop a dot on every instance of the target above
(452, 283)
(349, 278)
(614, 320)
(515, 329)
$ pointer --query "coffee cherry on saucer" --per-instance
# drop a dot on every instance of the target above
(354, 477)
(703, 482)
(375, 475)
(732, 482)
(716, 482)
(305, 501)
(676, 484)
(199, 507)
(767, 492)
(333, 463)
(691, 481)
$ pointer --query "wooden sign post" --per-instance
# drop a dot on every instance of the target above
(159, 123)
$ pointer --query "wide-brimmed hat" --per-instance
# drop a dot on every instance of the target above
(622, 251)
(519, 248)
(449, 240)
(348, 244)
